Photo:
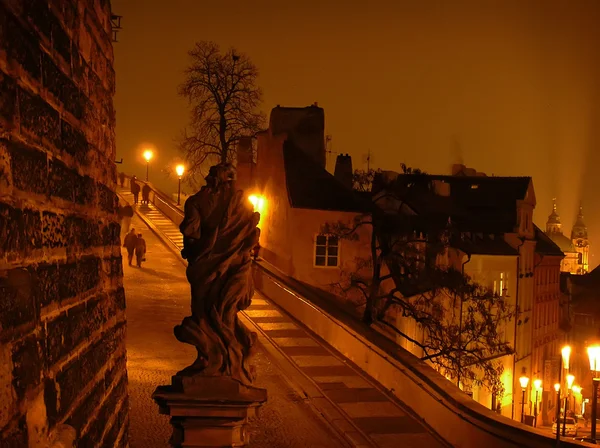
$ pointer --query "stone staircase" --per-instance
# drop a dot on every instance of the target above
(155, 217)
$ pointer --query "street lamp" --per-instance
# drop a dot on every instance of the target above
(594, 355)
(148, 154)
(537, 384)
(180, 169)
(576, 391)
(524, 382)
(570, 380)
(557, 389)
(565, 355)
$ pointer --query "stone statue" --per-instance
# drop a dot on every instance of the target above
(219, 233)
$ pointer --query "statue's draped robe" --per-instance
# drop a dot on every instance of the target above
(219, 232)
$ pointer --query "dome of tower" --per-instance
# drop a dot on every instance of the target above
(553, 224)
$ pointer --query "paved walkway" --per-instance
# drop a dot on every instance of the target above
(157, 299)
(158, 219)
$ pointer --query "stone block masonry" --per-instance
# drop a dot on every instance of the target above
(62, 303)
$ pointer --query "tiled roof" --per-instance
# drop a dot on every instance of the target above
(545, 245)
(485, 246)
(564, 243)
(475, 203)
(312, 187)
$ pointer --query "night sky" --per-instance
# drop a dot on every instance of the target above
(509, 87)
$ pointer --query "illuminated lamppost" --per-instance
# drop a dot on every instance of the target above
(557, 389)
(537, 384)
(565, 355)
(594, 355)
(576, 391)
(148, 154)
(524, 381)
(180, 169)
(570, 380)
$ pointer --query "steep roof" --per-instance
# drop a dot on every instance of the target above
(544, 244)
(485, 246)
(564, 243)
(312, 187)
(475, 203)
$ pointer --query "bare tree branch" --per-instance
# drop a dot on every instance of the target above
(221, 88)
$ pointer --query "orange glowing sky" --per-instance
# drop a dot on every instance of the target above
(511, 87)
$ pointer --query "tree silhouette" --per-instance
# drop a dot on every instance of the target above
(408, 274)
(221, 88)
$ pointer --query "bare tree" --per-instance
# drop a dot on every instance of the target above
(222, 89)
(461, 321)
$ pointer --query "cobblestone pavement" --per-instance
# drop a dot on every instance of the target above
(157, 299)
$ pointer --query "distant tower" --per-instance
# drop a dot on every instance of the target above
(553, 224)
(579, 236)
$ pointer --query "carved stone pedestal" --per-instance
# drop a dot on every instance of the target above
(209, 411)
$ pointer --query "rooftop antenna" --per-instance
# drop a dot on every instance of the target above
(368, 158)
(115, 26)
(328, 147)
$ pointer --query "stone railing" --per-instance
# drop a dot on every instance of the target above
(449, 412)
(160, 200)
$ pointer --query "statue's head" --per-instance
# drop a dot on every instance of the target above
(221, 174)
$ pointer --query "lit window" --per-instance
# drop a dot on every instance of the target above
(501, 284)
(326, 251)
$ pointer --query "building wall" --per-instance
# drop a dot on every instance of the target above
(62, 309)
(570, 263)
(492, 271)
(305, 226)
(546, 332)
(269, 183)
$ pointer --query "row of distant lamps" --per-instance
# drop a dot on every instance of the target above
(179, 169)
(594, 358)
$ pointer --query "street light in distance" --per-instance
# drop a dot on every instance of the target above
(524, 381)
(148, 154)
(179, 169)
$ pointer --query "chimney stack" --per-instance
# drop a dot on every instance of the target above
(343, 170)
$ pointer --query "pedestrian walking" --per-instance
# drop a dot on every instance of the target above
(146, 194)
(122, 179)
(125, 213)
(135, 189)
(140, 250)
(130, 244)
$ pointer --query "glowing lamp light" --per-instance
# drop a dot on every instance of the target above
(148, 154)
(557, 387)
(566, 354)
(180, 169)
(537, 384)
(594, 355)
(524, 381)
(577, 389)
(257, 201)
(570, 380)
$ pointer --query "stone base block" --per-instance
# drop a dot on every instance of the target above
(209, 411)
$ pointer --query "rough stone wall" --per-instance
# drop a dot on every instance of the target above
(62, 304)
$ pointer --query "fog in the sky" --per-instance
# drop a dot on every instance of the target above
(510, 87)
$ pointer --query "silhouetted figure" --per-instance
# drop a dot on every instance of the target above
(146, 194)
(122, 179)
(140, 250)
(135, 189)
(125, 215)
(130, 244)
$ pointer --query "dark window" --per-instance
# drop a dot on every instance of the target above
(326, 251)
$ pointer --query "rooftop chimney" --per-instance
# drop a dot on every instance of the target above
(343, 170)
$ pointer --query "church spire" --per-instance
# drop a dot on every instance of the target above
(553, 224)
(579, 229)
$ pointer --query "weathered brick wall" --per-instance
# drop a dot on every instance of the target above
(62, 304)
